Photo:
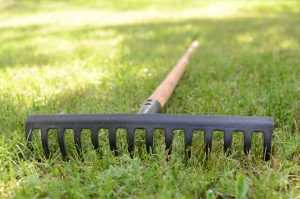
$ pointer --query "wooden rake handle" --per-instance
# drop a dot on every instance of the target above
(163, 92)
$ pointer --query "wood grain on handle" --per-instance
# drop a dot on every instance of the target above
(166, 88)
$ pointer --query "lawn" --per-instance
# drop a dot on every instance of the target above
(108, 56)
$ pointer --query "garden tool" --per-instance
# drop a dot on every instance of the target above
(149, 119)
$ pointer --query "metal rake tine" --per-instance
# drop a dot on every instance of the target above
(227, 140)
(44, 136)
(130, 141)
(95, 138)
(247, 141)
(77, 141)
(188, 139)
(61, 142)
(208, 140)
(169, 140)
(112, 137)
(267, 144)
(149, 140)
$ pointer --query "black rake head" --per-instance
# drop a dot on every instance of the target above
(169, 122)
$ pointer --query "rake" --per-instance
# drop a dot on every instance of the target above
(149, 120)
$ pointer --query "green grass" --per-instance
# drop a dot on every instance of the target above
(107, 57)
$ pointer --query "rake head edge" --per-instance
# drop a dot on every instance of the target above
(169, 122)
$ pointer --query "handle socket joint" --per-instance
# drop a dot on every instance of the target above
(150, 106)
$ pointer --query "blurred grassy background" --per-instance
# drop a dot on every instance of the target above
(108, 56)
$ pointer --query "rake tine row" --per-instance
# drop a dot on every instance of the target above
(188, 139)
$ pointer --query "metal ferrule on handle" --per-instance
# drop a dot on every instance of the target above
(160, 96)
